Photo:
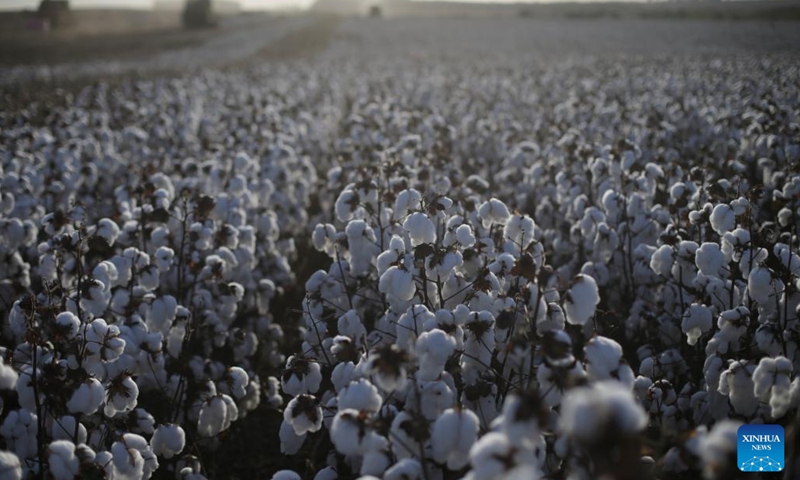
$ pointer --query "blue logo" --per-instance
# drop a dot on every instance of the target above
(760, 448)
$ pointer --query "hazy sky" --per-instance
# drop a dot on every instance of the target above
(249, 4)
(254, 4)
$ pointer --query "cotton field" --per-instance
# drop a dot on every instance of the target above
(479, 249)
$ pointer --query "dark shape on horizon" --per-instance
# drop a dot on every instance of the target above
(198, 14)
(56, 13)
(375, 11)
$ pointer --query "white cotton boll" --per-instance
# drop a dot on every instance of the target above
(407, 200)
(168, 440)
(290, 442)
(405, 469)
(235, 382)
(162, 312)
(343, 374)
(717, 449)
(589, 414)
(346, 205)
(350, 325)
(304, 414)
(697, 320)
(581, 300)
(464, 236)
(433, 348)
(87, 398)
(301, 376)
(737, 384)
(327, 473)
(8, 377)
(410, 325)
(286, 475)
(348, 432)
(493, 211)
(362, 245)
(397, 283)
(103, 340)
(63, 463)
(324, 238)
(420, 229)
(493, 457)
(108, 229)
(121, 396)
(772, 383)
(10, 466)
(740, 206)
(453, 435)
(360, 395)
(723, 219)
(211, 419)
(709, 259)
(519, 230)
(662, 260)
(761, 286)
(68, 324)
(164, 257)
(603, 356)
(790, 259)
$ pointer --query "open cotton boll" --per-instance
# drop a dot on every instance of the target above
(168, 440)
(740, 206)
(603, 360)
(63, 463)
(350, 325)
(349, 432)
(697, 320)
(581, 300)
(346, 204)
(397, 283)
(662, 260)
(717, 449)
(405, 469)
(710, 260)
(789, 259)
(761, 286)
(211, 417)
(493, 457)
(454, 433)
(737, 384)
(420, 229)
(519, 230)
(286, 475)
(68, 324)
(464, 236)
(723, 219)
(360, 395)
(304, 414)
(121, 395)
(87, 398)
(493, 211)
(301, 375)
(362, 246)
(387, 367)
(589, 414)
(433, 348)
(290, 442)
(8, 377)
(407, 200)
(10, 466)
(772, 383)
(411, 324)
